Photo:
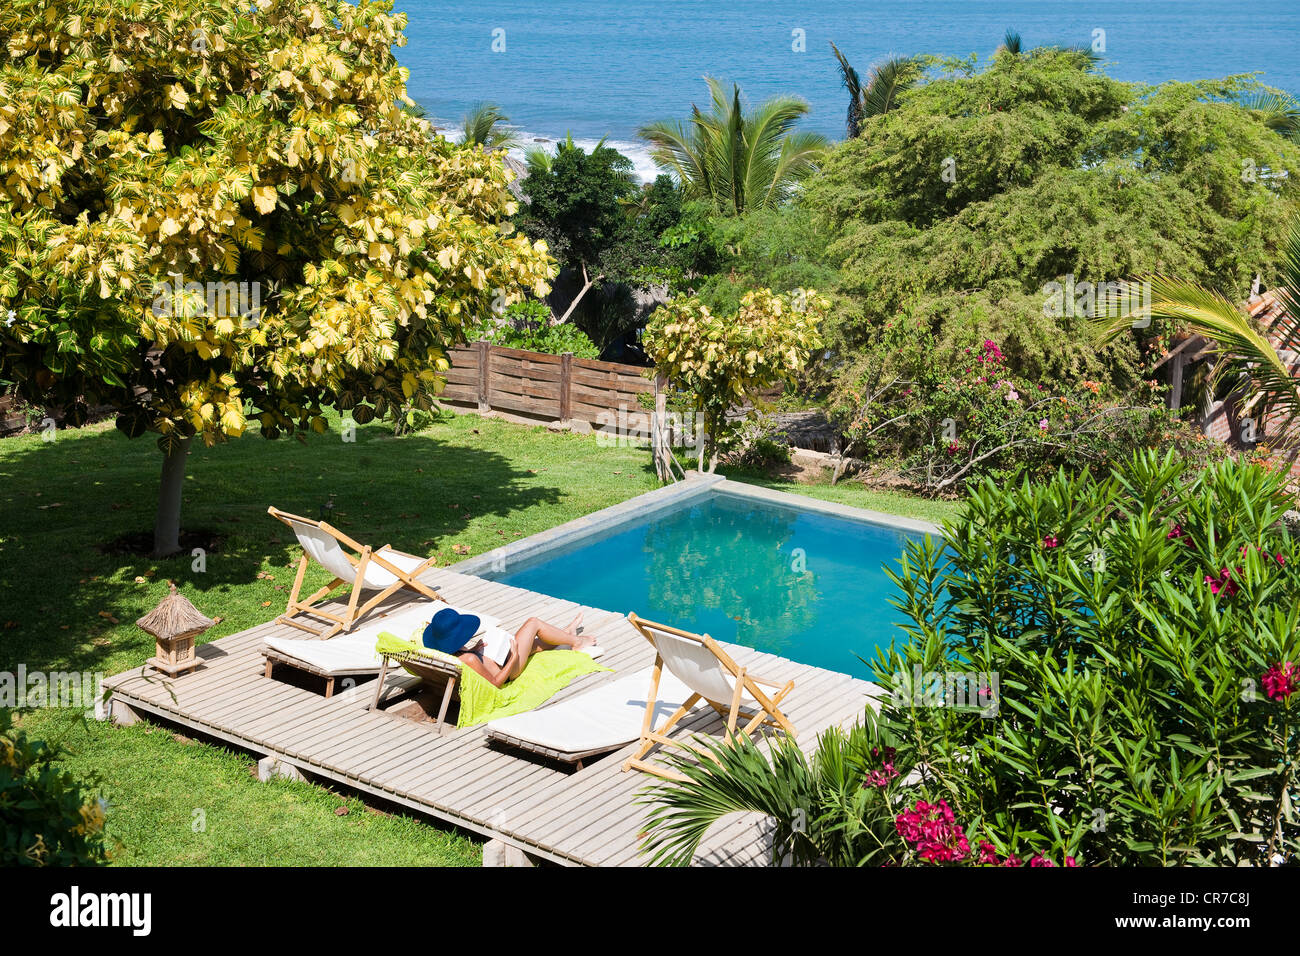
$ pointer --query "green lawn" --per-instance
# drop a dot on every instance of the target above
(463, 486)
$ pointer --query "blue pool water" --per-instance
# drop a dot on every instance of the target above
(806, 586)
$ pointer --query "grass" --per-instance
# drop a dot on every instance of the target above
(463, 486)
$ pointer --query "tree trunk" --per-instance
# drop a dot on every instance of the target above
(587, 284)
(167, 522)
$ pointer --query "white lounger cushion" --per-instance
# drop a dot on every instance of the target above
(355, 651)
(605, 717)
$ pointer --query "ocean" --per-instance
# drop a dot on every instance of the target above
(603, 68)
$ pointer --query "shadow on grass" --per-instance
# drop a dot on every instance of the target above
(64, 603)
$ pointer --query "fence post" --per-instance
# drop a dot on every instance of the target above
(566, 383)
(484, 352)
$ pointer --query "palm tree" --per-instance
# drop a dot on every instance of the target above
(888, 81)
(1011, 43)
(738, 161)
(484, 126)
(1244, 354)
(821, 807)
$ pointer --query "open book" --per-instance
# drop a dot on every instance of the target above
(496, 642)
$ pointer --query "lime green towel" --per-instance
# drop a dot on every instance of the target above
(545, 675)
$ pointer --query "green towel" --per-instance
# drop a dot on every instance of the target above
(545, 675)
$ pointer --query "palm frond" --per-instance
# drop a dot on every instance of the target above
(889, 80)
(853, 84)
(1011, 43)
(1278, 111)
(1243, 353)
(482, 126)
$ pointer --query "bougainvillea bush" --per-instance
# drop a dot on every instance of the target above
(1093, 671)
(942, 427)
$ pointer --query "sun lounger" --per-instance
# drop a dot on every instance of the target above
(352, 654)
(605, 718)
(701, 663)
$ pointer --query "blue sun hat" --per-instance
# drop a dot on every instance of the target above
(450, 630)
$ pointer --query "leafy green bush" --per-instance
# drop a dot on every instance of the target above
(1095, 670)
(528, 326)
(47, 817)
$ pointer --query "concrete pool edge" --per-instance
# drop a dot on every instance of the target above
(660, 499)
(831, 509)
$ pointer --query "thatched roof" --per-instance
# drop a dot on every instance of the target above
(174, 617)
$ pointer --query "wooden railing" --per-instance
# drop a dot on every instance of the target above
(549, 387)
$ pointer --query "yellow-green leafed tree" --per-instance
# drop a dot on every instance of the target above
(724, 361)
(215, 212)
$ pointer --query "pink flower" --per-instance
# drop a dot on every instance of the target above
(1042, 424)
(1013, 396)
(1041, 860)
(1281, 681)
(1223, 584)
(1175, 533)
(1050, 541)
(933, 830)
(1070, 861)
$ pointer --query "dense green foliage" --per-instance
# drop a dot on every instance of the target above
(945, 224)
(47, 816)
(1101, 670)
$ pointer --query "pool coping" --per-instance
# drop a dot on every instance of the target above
(660, 499)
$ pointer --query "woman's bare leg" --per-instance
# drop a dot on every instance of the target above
(536, 635)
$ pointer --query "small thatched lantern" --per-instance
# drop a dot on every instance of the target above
(174, 624)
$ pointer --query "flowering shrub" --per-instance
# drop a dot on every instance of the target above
(944, 425)
(1144, 630)
(47, 818)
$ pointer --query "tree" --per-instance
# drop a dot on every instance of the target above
(737, 160)
(574, 205)
(722, 361)
(216, 213)
(483, 126)
(888, 81)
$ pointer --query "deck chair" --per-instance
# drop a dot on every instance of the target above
(700, 662)
(382, 570)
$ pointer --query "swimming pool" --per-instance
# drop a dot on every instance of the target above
(776, 572)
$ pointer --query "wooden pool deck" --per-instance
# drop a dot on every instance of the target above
(586, 817)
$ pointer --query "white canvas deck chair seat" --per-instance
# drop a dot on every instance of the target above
(701, 663)
(382, 570)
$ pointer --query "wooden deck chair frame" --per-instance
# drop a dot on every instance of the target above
(430, 670)
(769, 712)
(308, 607)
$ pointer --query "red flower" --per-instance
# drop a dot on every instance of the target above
(1041, 860)
(1281, 681)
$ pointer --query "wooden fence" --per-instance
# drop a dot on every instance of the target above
(550, 387)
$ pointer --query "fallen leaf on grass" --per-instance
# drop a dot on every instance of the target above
(342, 812)
(108, 616)
(266, 604)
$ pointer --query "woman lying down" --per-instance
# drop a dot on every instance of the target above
(496, 654)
